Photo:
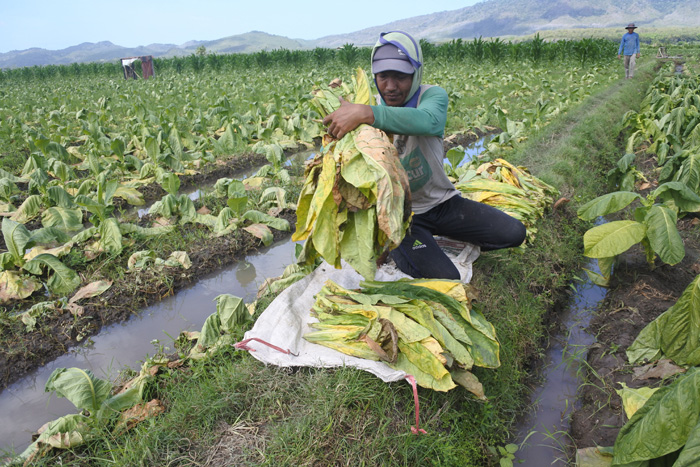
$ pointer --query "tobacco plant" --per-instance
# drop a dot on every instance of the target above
(653, 224)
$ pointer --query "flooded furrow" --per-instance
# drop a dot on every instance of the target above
(543, 434)
(127, 344)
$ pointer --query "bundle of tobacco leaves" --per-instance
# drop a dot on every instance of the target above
(355, 202)
(425, 327)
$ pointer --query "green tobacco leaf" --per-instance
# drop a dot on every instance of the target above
(455, 156)
(63, 280)
(170, 183)
(674, 334)
(110, 236)
(48, 235)
(685, 198)
(70, 220)
(17, 238)
(120, 402)
(175, 143)
(606, 204)
(132, 196)
(594, 457)
(6, 261)
(691, 451)
(663, 424)
(484, 348)
(237, 204)
(612, 239)
(60, 197)
(663, 234)
(83, 236)
(28, 210)
(81, 387)
(98, 209)
(689, 172)
(262, 218)
(356, 245)
(127, 229)
(423, 378)
(232, 311)
(210, 333)
(597, 279)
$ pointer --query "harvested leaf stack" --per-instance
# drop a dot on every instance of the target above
(425, 327)
(355, 202)
(511, 189)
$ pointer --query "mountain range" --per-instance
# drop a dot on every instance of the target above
(489, 18)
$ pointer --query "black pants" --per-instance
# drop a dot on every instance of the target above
(461, 219)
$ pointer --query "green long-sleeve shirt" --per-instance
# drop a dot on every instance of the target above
(418, 140)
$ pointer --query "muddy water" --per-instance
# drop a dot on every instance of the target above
(126, 344)
(542, 436)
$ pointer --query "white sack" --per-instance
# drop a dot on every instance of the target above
(287, 318)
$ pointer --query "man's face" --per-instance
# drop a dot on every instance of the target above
(394, 87)
(630, 30)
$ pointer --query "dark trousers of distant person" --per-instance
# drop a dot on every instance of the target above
(461, 219)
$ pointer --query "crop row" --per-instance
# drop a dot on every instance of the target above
(537, 50)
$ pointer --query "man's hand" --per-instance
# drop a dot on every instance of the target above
(638, 55)
(618, 55)
(347, 118)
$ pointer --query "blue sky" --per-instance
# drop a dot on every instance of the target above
(57, 24)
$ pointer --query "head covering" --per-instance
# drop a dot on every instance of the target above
(631, 25)
(407, 47)
(390, 58)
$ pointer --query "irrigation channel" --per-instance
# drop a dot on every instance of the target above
(543, 434)
(28, 406)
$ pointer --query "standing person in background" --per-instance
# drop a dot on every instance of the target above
(629, 47)
(416, 114)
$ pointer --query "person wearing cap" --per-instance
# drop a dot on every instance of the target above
(629, 47)
(416, 114)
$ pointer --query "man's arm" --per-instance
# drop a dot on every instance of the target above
(428, 118)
